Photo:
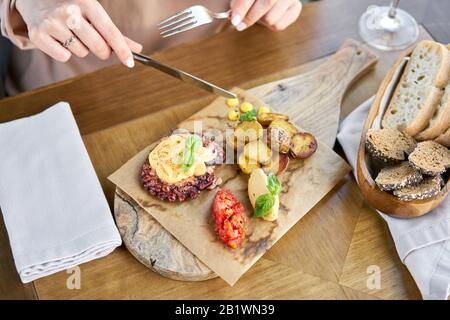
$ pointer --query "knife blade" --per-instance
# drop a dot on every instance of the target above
(183, 76)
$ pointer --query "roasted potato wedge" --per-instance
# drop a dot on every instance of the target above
(246, 165)
(303, 145)
(278, 165)
(258, 151)
(267, 118)
(287, 126)
(248, 131)
(279, 139)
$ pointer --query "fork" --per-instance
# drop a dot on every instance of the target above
(188, 19)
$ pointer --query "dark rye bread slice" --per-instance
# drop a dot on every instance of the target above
(430, 158)
(389, 145)
(398, 176)
(428, 188)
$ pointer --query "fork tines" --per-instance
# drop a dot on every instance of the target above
(179, 22)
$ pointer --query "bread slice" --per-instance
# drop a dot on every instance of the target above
(389, 145)
(428, 188)
(398, 177)
(430, 158)
(444, 139)
(440, 121)
(417, 96)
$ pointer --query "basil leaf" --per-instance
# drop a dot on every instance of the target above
(263, 205)
(273, 184)
(248, 116)
(193, 142)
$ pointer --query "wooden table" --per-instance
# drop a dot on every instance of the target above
(326, 255)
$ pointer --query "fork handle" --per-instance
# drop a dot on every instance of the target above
(222, 15)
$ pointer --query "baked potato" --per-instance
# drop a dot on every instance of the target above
(279, 139)
(246, 165)
(303, 145)
(277, 165)
(258, 151)
(265, 119)
(287, 126)
(248, 131)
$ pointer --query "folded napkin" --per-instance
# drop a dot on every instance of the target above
(422, 243)
(54, 209)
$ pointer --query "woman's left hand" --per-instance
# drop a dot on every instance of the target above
(275, 14)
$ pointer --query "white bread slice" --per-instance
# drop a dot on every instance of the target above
(420, 89)
(440, 121)
(444, 139)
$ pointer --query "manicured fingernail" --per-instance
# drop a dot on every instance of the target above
(130, 62)
(236, 20)
(241, 27)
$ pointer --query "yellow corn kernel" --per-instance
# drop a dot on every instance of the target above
(263, 110)
(233, 102)
(233, 115)
(246, 107)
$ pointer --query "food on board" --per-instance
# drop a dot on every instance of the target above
(229, 218)
(181, 166)
(303, 145)
(233, 115)
(267, 118)
(263, 192)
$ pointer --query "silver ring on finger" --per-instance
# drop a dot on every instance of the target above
(66, 44)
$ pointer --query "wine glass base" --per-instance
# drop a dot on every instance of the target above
(383, 32)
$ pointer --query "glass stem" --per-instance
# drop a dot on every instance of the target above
(393, 10)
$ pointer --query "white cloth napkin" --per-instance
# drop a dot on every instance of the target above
(422, 243)
(54, 209)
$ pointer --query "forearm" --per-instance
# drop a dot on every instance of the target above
(13, 26)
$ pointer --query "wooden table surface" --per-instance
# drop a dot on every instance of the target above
(326, 255)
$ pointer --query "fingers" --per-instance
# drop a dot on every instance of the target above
(61, 33)
(275, 14)
(61, 20)
(92, 40)
(239, 9)
(134, 46)
(288, 18)
(258, 10)
(48, 45)
(104, 25)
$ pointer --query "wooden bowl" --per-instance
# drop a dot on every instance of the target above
(367, 170)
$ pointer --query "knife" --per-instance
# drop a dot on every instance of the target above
(183, 76)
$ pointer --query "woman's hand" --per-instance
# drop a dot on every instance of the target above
(275, 14)
(53, 22)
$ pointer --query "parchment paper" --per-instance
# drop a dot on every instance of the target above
(305, 183)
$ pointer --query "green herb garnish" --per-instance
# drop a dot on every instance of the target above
(273, 184)
(248, 116)
(193, 142)
(263, 205)
(265, 202)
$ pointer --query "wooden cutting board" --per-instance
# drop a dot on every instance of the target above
(312, 100)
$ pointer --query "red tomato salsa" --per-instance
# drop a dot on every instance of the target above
(229, 216)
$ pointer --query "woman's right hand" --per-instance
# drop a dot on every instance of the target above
(52, 22)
